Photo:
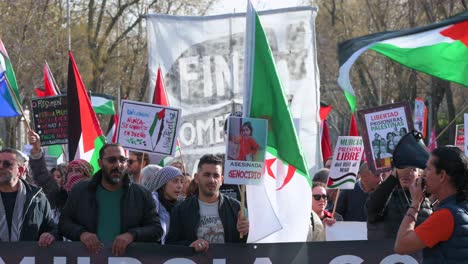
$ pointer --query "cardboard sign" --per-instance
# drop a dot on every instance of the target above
(420, 116)
(460, 136)
(245, 150)
(346, 160)
(148, 127)
(50, 117)
(383, 127)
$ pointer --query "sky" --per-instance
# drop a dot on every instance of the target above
(228, 6)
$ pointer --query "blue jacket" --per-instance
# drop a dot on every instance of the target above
(454, 250)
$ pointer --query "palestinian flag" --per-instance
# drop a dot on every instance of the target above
(160, 98)
(8, 105)
(49, 87)
(279, 208)
(85, 137)
(439, 49)
(103, 104)
(157, 127)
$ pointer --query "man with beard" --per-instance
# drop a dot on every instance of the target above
(24, 210)
(109, 208)
(208, 217)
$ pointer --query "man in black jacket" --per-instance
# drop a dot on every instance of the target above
(24, 210)
(209, 217)
(110, 208)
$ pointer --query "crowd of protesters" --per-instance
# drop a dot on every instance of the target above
(129, 200)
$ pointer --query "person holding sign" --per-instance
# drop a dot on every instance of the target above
(319, 203)
(208, 217)
(444, 234)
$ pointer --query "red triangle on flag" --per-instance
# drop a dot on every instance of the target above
(159, 96)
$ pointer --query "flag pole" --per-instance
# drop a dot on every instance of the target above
(242, 194)
(446, 127)
(182, 160)
(141, 166)
(53, 78)
(17, 102)
(336, 202)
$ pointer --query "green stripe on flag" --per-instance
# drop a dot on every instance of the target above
(102, 105)
(268, 101)
(98, 144)
(445, 60)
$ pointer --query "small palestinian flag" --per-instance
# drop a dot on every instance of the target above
(157, 128)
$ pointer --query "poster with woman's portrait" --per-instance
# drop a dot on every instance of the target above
(382, 128)
(245, 150)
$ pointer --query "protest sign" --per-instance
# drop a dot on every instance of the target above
(245, 150)
(345, 231)
(51, 119)
(148, 127)
(345, 165)
(420, 116)
(383, 127)
(460, 136)
(466, 134)
(204, 73)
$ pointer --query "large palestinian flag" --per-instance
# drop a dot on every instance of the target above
(85, 137)
(439, 49)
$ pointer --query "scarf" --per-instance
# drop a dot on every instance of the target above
(166, 203)
(16, 220)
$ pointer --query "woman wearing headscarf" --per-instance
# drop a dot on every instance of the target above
(166, 186)
(76, 171)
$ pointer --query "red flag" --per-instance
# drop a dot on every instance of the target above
(159, 96)
(353, 131)
(49, 87)
(326, 148)
(324, 111)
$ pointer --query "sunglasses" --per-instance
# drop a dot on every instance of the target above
(130, 161)
(7, 164)
(318, 196)
(113, 160)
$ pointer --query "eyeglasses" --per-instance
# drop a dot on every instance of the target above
(130, 161)
(318, 196)
(7, 164)
(113, 160)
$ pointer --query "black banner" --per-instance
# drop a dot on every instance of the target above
(51, 119)
(343, 252)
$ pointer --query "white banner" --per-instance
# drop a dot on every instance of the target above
(201, 59)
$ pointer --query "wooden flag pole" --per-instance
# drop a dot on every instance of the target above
(17, 102)
(336, 202)
(182, 160)
(242, 194)
(141, 166)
